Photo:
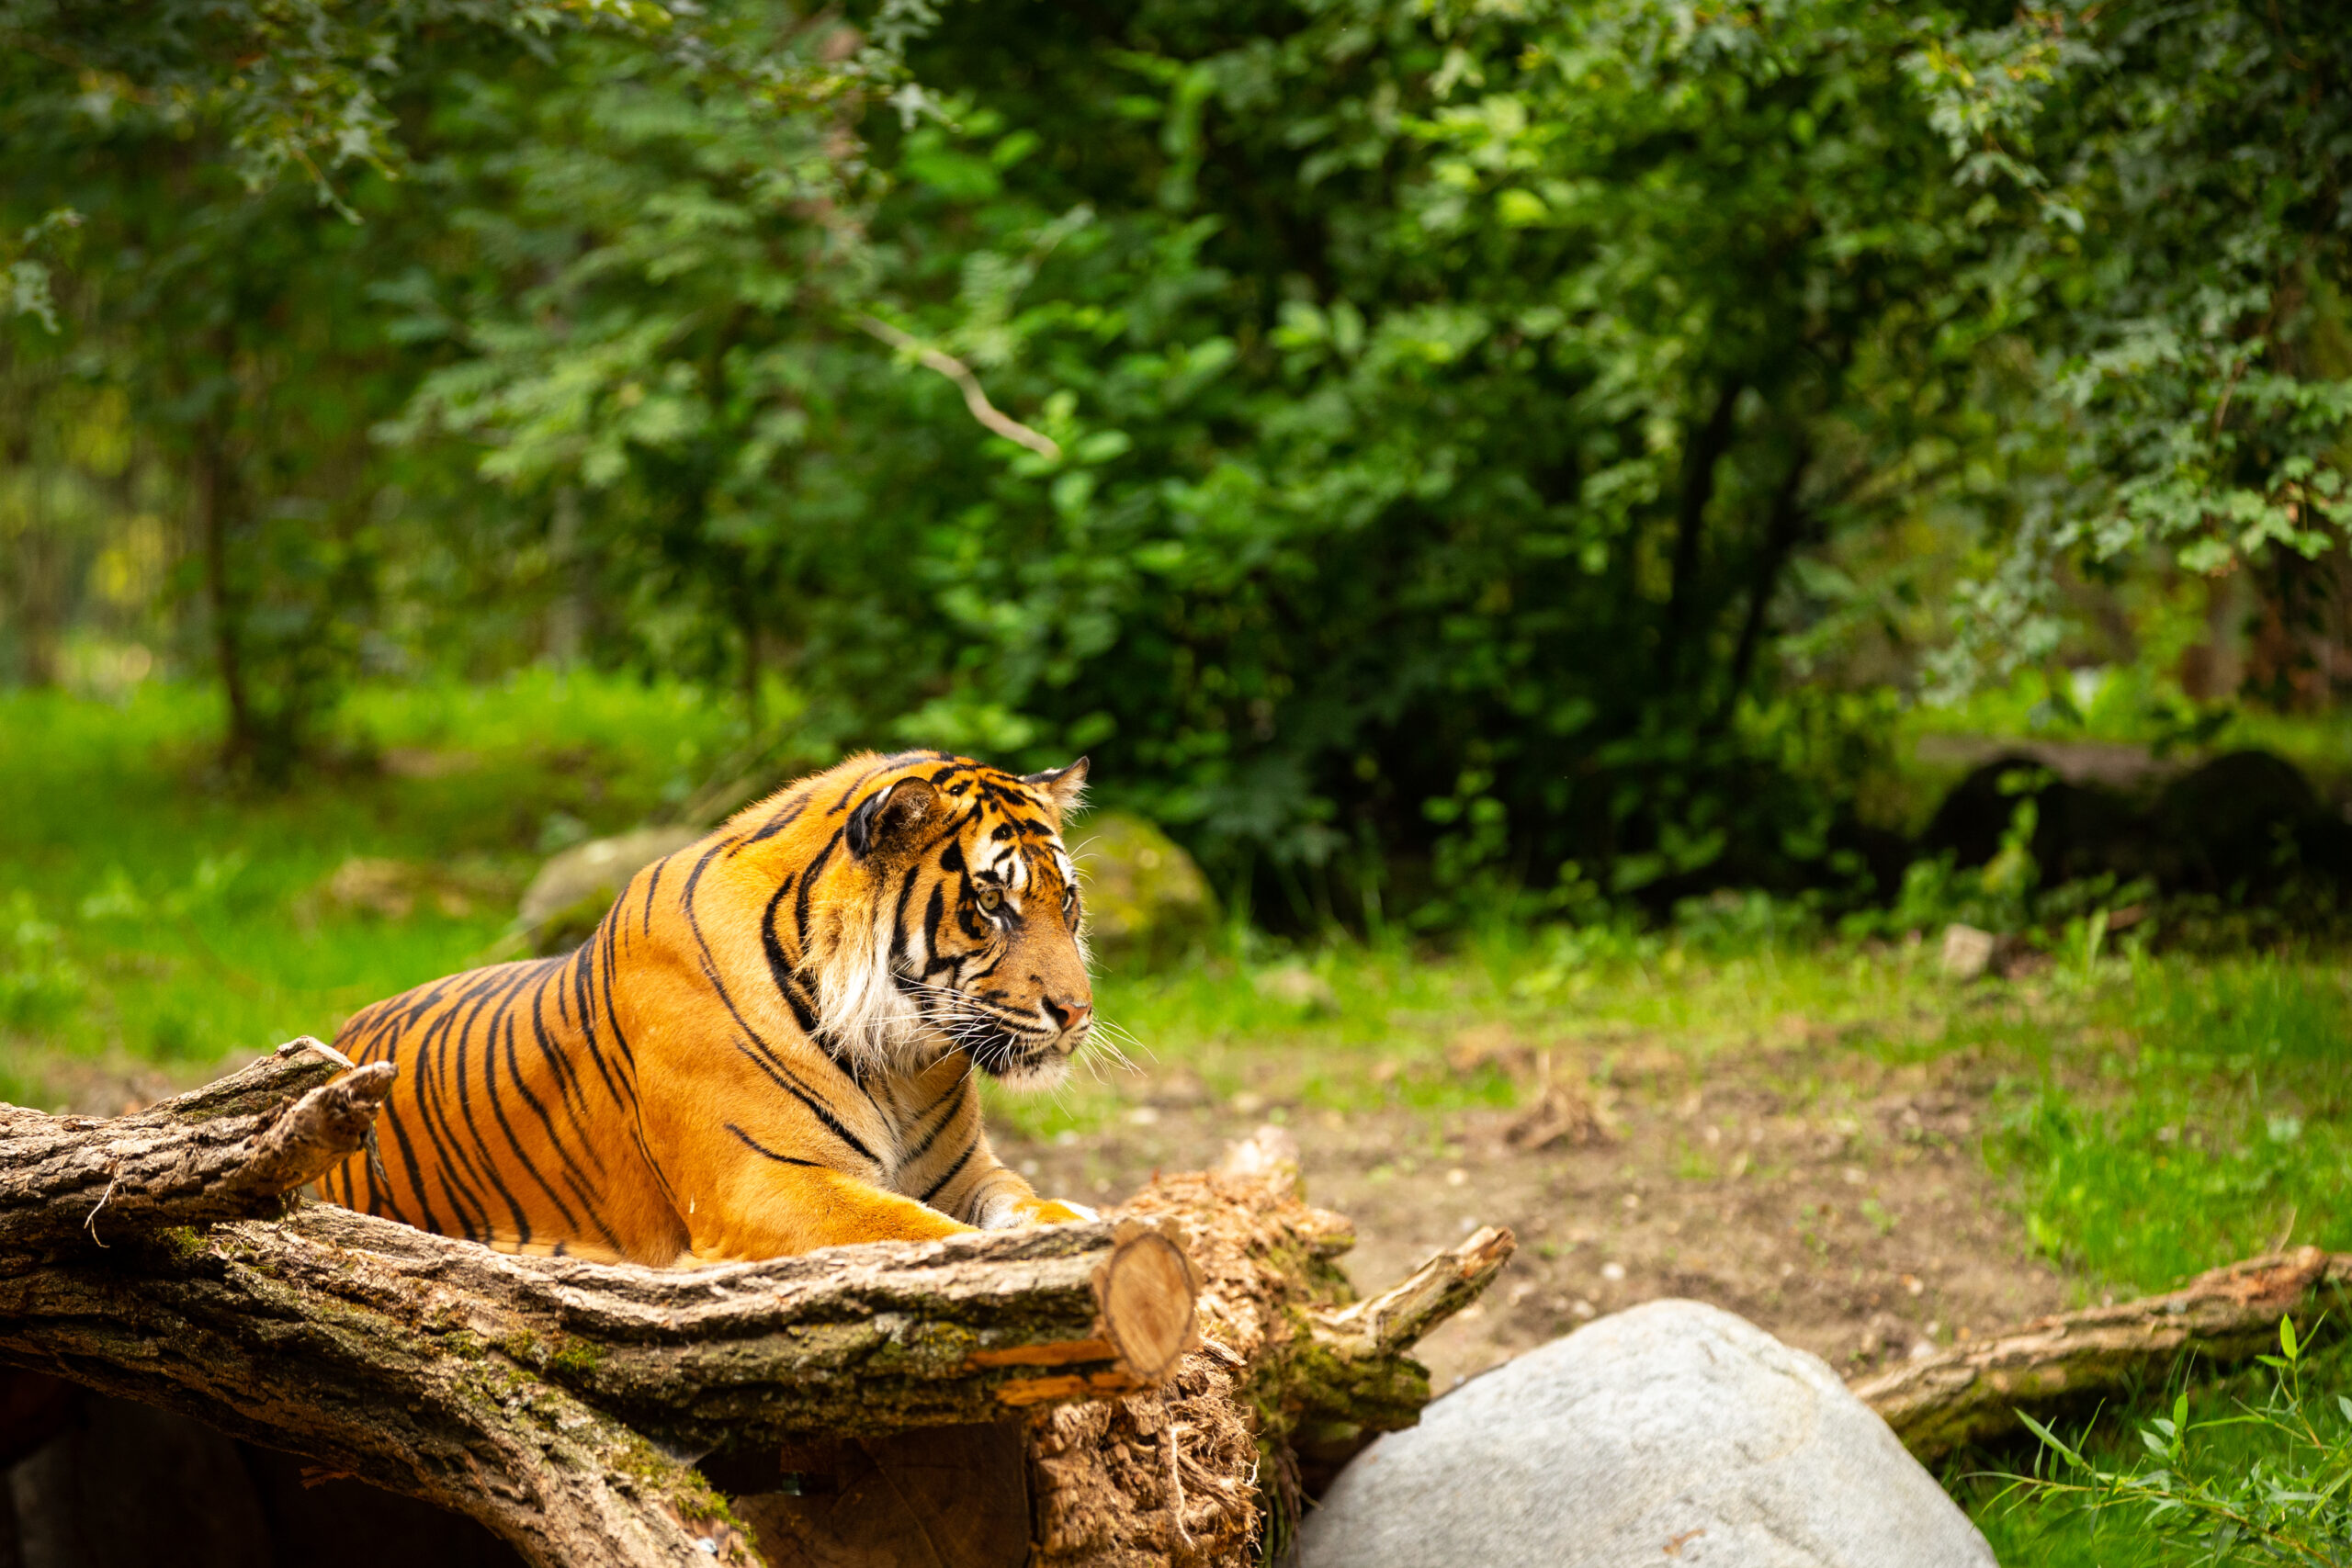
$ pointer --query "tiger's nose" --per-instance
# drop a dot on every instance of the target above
(1068, 1016)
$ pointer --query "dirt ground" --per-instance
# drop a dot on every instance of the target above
(1834, 1200)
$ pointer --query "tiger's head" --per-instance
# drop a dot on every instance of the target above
(936, 910)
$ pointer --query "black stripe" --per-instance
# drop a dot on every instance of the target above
(566, 1077)
(464, 1202)
(757, 1148)
(809, 887)
(584, 964)
(612, 1017)
(637, 1136)
(781, 1078)
(515, 1071)
(932, 1137)
(934, 916)
(652, 883)
(953, 1171)
(490, 1163)
(780, 968)
(899, 918)
(786, 815)
(431, 1221)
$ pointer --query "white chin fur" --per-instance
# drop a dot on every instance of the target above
(1038, 1073)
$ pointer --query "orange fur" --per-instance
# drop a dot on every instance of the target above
(768, 1044)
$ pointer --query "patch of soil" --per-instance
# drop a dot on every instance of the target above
(1833, 1200)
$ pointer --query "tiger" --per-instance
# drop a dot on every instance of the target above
(767, 1045)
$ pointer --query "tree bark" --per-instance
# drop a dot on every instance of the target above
(1970, 1393)
(567, 1405)
(231, 1150)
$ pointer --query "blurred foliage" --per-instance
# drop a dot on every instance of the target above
(1469, 456)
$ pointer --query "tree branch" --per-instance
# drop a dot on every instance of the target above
(1970, 1393)
(955, 370)
(231, 1150)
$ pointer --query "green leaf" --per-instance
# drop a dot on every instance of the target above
(2050, 1439)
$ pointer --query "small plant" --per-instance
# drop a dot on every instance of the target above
(2201, 1492)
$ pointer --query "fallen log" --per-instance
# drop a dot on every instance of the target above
(1973, 1392)
(1142, 1378)
(233, 1149)
(558, 1401)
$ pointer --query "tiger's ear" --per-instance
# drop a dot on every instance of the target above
(1065, 786)
(888, 813)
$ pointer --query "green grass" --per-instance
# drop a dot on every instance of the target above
(2046, 1532)
(2155, 1115)
(153, 912)
(2201, 1115)
(1378, 1033)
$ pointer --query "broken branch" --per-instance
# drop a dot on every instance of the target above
(955, 370)
(231, 1150)
(1970, 1393)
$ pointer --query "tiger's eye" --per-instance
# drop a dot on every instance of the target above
(989, 898)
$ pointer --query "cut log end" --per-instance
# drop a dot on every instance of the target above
(1147, 1290)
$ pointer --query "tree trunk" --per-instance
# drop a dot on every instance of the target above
(215, 484)
(1707, 446)
(1782, 524)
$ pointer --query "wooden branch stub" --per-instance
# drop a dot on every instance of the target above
(293, 1070)
(1400, 1317)
(1287, 1377)
(231, 1150)
(1971, 1392)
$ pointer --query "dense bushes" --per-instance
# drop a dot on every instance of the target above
(1455, 431)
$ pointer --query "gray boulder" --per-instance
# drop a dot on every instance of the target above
(1672, 1433)
(572, 890)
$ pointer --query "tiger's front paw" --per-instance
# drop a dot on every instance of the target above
(1010, 1214)
(1017, 1208)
